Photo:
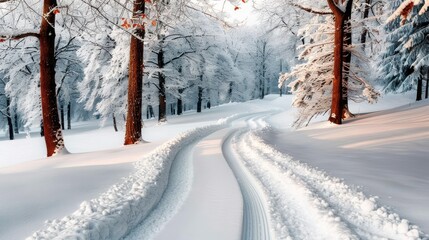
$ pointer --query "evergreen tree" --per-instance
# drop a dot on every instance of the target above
(406, 56)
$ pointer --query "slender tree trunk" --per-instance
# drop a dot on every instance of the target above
(152, 114)
(115, 126)
(364, 33)
(200, 99)
(62, 116)
(16, 125)
(231, 85)
(42, 129)
(69, 116)
(162, 117)
(419, 89)
(133, 132)
(51, 123)
(179, 106)
(9, 120)
(336, 105)
(427, 88)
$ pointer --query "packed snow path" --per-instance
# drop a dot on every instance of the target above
(282, 198)
(223, 181)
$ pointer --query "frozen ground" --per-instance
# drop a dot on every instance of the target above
(246, 177)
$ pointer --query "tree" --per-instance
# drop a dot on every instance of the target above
(405, 60)
(312, 80)
(52, 129)
(135, 81)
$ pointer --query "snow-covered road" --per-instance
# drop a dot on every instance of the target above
(277, 198)
(224, 181)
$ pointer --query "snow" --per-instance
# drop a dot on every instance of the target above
(250, 175)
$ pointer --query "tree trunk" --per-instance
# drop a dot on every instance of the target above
(162, 117)
(51, 123)
(9, 120)
(179, 106)
(42, 130)
(200, 99)
(69, 116)
(115, 126)
(419, 89)
(231, 85)
(347, 61)
(133, 132)
(62, 116)
(16, 125)
(364, 33)
(336, 105)
(427, 88)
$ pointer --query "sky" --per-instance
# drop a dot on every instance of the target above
(244, 15)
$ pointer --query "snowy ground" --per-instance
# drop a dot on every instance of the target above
(248, 176)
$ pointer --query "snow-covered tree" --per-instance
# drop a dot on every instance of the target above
(312, 80)
(404, 62)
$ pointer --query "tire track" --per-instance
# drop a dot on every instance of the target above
(255, 215)
(298, 192)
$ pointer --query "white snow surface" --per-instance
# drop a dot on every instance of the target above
(269, 178)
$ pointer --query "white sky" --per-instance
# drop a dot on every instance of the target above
(243, 15)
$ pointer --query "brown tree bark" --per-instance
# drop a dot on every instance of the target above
(347, 61)
(51, 123)
(133, 133)
(336, 105)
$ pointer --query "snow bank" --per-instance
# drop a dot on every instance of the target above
(300, 194)
(125, 205)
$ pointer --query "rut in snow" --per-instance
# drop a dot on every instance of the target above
(255, 219)
(306, 203)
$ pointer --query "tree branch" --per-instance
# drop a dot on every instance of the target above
(311, 10)
(19, 36)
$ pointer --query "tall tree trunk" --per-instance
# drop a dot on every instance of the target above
(336, 105)
(200, 99)
(161, 91)
(62, 116)
(9, 120)
(427, 88)
(115, 125)
(419, 89)
(364, 33)
(133, 131)
(179, 106)
(51, 123)
(231, 85)
(69, 116)
(16, 125)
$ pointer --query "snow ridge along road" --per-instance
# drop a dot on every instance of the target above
(123, 207)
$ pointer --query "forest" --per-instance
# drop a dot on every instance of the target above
(141, 71)
(119, 61)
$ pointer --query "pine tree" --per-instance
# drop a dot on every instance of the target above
(406, 57)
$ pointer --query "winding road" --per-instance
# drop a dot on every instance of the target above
(232, 185)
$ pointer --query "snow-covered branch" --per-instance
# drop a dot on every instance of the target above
(312, 10)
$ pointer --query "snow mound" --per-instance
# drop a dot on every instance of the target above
(306, 202)
(116, 212)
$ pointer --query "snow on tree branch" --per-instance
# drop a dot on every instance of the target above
(405, 8)
(312, 10)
